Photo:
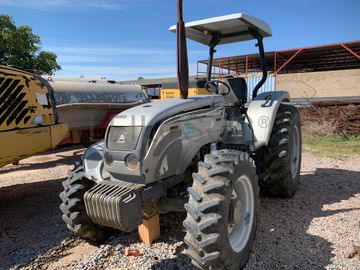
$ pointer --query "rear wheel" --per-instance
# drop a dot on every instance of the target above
(222, 211)
(283, 154)
(73, 208)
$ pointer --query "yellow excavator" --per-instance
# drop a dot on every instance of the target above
(28, 116)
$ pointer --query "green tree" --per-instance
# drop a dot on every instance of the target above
(20, 47)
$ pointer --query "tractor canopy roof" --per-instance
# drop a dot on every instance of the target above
(228, 29)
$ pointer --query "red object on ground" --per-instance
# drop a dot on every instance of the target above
(132, 252)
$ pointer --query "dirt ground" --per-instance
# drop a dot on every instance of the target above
(317, 229)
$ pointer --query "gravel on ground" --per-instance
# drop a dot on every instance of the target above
(316, 229)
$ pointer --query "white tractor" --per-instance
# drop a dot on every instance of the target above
(206, 155)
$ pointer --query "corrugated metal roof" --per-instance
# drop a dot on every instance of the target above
(310, 59)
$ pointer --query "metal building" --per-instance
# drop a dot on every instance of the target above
(325, 72)
(317, 71)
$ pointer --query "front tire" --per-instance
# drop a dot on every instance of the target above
(73, 208)
(222, 211)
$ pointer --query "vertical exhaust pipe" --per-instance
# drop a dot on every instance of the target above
(182, 55)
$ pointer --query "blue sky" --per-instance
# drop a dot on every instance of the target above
(125, 39)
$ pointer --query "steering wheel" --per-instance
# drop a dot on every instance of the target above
(213, 87)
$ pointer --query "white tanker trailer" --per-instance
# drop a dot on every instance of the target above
(89, 105)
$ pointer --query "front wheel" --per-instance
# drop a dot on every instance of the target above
(222, 211)
(73, 208)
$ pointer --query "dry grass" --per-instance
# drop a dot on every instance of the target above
(319, 129)
(322, 138)
(331, 131)
(330, 121)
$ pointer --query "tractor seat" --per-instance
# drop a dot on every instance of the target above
(239, 91)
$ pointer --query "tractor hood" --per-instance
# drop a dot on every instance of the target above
(150, 114)
(150, 142)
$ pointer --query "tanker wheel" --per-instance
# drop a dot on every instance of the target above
(85, 139)
(73, 208)
(283, 154)
(222, 211)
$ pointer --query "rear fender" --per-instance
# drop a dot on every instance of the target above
(262, 113)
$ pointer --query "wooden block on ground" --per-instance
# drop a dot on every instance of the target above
(149, 231)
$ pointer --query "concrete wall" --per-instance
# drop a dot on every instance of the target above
(321, 84)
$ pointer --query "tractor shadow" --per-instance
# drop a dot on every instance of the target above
(30, 221)
(283, 239)
(31, 225)
(32, 232)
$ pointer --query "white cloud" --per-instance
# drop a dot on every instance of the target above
(119, 72)
(71, 4)
(106, 51)
(122, 71)
(93, 53)
(120, 63)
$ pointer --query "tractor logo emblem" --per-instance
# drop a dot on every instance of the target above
(121, 139)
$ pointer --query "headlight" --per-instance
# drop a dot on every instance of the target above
(109, 160)
(131, 162)
(123, 138)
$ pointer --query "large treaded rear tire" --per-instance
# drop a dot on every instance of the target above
(73, 208)
(279, 179)
(208, 209)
